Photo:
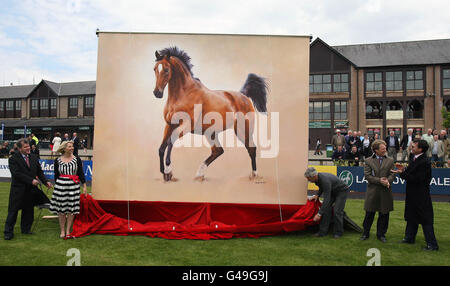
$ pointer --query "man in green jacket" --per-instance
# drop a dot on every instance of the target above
(377, 171)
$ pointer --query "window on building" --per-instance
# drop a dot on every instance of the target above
(340, 82)
(89, 106)
(394, 81)
(43, 104)
(340, 110)
(35, 107)
(414, 80)
(320, 83)
(18, 109)
(35, 104)
(9, 105)
(52, 107)
(43, 107)
(73, 102)
(329, 83)
(319, 110)
(2, 108)
(9, 109)
(446, 78)
(374, 110)
(374, 81)
(414, 109)
(73, 106)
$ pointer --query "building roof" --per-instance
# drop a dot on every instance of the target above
(72, 88)
(397, 53)
(18, 91)
(61, 89)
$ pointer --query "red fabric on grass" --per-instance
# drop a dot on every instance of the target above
(190, 220)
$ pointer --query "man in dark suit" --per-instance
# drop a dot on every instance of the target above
(334, 192)
(76, 144)
(418, 205)
(24, 168)
(392, 145)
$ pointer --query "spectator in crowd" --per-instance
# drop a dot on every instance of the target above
(31, 140)
(13, 150)
(349, 140)
(34, 150)
(353, 156)
(337, 139)
(418, 204)
(404, 144)
(36, 140)
(377, 171)
(392, 145)
(366, 146)
(429, 138)
(446, 141)
(25, 172)
(358, 141)
(84, 143)
(339, 153)
(376, 136)
(66, 137)
(437, 151)
(76, 143)
(56, 142)
(4, 151)
(335, 192)
(318, 144)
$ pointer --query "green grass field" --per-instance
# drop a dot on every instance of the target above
(294, 249)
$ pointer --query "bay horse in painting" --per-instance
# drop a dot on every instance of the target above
(173, 68)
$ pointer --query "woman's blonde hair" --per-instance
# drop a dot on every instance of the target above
(63, 146)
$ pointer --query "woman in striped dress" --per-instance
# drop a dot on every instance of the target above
(69, 175)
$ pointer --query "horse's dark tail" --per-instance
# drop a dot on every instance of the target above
(255, 88)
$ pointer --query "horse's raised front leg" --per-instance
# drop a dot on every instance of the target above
(166, 171)
(216, 151)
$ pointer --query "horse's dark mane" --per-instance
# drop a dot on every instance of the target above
(180, 54)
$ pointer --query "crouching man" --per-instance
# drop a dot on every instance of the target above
(334, 192)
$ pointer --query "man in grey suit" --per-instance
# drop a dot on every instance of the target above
(335, 192)
(377, 171)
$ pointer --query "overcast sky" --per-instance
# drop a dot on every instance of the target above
(56, 40)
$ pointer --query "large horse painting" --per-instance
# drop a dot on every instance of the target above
(173, 68)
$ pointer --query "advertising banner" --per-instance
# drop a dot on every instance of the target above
(354, 178)
(47, 167)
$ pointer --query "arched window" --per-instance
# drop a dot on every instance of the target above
(414, 109)
(374, 110)
(394, 105)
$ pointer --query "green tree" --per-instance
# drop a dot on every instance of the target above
(446, 117)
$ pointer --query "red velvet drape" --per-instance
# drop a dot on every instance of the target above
(190, 220)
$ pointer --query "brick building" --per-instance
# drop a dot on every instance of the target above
(376, 88)
(46, 108)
